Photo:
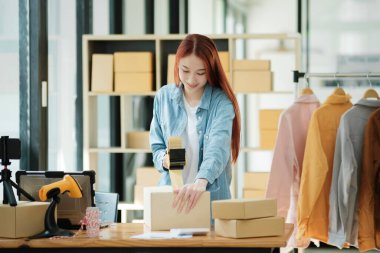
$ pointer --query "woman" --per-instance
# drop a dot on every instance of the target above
(202, 109)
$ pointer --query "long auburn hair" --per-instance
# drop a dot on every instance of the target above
(204, 48)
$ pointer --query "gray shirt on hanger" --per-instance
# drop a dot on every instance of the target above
(343, 218)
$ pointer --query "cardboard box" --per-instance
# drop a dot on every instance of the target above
(159, 214)
(251, 65)
(24, 220)
(224, 57)
(252, 81)
(256, 180)
(170, 71)
(272, 226)
(147, 176)
(139, 195)
(244, 208)
(102, 72)
(269, 119)
(249, 193)
(228, 76)
(267, 138)
(133, 82)
(138, 139)
(133, 61)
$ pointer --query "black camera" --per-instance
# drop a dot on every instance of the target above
(13, 147)
(9, 149)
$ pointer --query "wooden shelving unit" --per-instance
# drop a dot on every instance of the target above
(160, 46)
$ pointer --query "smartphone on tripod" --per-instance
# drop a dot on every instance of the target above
(9, 149)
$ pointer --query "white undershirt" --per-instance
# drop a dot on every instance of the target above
(191, 143)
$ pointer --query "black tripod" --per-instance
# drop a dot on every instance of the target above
(8, 196)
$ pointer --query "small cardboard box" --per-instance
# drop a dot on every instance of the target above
(252, 81)
(102, 72)
(24, 220)
(224, 57)
(138, 139)
(251, 65)
(133, 61)
(272, 226)
(244, 208)
(267, 138)
(171, 63)
(249, 193)
(147, 176)
(269, 118)
(133, 82)
(256, 180)
(159, 214)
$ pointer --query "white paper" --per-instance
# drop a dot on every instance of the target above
(159, 235)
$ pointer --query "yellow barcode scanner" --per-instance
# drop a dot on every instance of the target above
(177, 159)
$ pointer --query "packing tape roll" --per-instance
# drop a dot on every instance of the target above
(175, 175)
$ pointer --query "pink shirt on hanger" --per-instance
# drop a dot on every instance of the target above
(284, 180)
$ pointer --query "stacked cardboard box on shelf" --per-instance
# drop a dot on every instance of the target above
(102, 73)
(224, 57)
(145, 177)
(133, 71)
(138, 139)
(243, 218)
(255, 184)
(268, 127)
(251, 76)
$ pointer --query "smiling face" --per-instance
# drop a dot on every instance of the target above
(192, 73)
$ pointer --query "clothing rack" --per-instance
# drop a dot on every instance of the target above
(298, 75)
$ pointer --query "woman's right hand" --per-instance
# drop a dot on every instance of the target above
(166, 162)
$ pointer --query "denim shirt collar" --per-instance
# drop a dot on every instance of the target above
(177, 95)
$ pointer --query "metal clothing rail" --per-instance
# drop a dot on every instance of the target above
(298, 75)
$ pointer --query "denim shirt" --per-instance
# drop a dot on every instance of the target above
(215, 115)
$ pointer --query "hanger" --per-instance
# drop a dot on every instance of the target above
(370, 93)
(307, 90)
(338, 90)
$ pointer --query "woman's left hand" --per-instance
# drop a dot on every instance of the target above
(189, 195)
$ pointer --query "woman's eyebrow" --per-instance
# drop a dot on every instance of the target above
(184, 66)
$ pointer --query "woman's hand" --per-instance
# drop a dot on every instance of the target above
(189, 195)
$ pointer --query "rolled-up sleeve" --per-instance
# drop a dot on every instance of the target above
(217, 142)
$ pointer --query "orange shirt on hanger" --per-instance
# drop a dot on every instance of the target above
(313, 201)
